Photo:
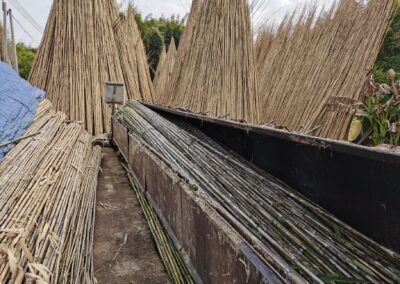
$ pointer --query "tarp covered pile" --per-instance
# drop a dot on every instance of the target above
(18, 104)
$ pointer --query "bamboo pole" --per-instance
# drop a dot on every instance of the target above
(133, 58)
(214, 72)
(78, 53)
(312, 68)
(164, 72)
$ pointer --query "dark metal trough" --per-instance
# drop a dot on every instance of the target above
(359, 185)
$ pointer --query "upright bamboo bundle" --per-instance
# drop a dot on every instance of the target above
(311, 70)
(77, 55)
(133, 59)
(164, 73)
(183, 53)
(163, 56)
(215, 71)
(47, 203)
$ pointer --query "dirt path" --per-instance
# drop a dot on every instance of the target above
(119, 218)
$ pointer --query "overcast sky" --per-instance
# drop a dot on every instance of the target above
(39, 11)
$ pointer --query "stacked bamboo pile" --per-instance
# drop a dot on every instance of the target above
(295, 237)
(47, 203)
(214, 71)
(312, 69)
(164, 72)
(163, 56)
(183, 52)
(133, 59)
(77, 55)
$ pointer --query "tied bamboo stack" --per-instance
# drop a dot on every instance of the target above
(47, 203)
(215, 71)
(78, 53)
(164, 71)
(312, 68)
(163, 56)
(300, 241)
(183, 52)
(133, 59)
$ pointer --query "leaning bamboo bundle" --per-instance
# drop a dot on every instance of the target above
(312, 60)
(164, 72)
(133, 59)
(215, 71)
(302, 242)
(47, 203)
(163, 56)
(77, 55)
(183, 53)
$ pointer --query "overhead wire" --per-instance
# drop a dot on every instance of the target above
(26, 15)
(25, 31)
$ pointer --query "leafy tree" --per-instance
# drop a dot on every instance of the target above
(389, 55)
(156, 33)
(26, 56)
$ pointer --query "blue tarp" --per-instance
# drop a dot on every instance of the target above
(18, 103)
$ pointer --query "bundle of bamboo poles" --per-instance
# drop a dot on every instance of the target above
(78, 53)
(164, 71)
(133, 58)
(214, 72)
(313, 67)
(47, 203)
(183, 53)
(295, 237)
(163, 56)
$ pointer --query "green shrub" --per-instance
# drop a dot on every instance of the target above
(380, 114)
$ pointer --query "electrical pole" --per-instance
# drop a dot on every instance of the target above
(14, 44)
(5, 51)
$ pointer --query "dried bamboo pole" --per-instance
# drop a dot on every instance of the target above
(133, 59)
(183, 53)
(47, 203)
(283, 227)
(160, 65)
(164, 72)
(215, 72)
(312, 69)
(78, 53)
